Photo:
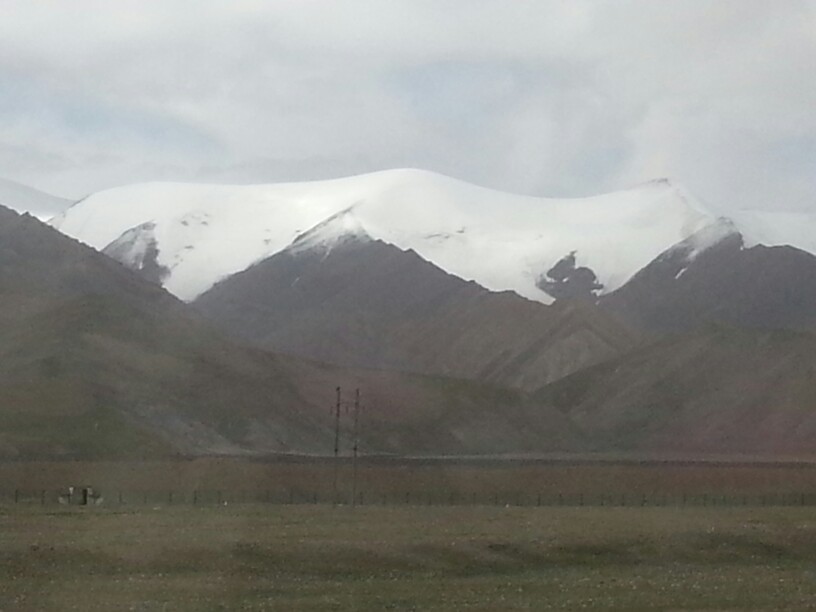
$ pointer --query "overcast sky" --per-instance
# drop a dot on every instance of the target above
(531, 96)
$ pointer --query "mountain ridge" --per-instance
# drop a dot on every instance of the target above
(725, 281)
(502, 241)
(98, 362)
(22, 198)
(362, 302)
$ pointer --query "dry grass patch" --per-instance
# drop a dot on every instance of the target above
(483, 558)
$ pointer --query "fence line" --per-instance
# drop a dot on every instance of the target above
(210, 497)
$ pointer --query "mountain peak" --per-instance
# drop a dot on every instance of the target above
(705, 238)
(338, 229)
(503, 241)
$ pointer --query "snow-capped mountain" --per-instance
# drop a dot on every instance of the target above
(27, 199)
(199, 234)
(732, 282)
(363, 303)
(128, 371)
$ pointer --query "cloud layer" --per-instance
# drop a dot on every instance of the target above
(530, 96)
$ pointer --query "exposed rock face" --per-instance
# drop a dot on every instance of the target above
(565, 281)
(369, 304)
(138, 250)
(729, 283)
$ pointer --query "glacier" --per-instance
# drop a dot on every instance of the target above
(204, 233)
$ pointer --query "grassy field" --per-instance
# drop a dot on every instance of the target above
(261, 557)
(395, 481)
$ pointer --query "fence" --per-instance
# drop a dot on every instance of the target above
(409, 498)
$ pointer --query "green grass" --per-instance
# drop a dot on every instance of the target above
(479, 558)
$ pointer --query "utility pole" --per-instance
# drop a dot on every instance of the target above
(356, 446)
(336, 445)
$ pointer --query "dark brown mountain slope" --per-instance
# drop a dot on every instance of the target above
(98, 362)
(758, 287)
(369, 304)
(720, 390)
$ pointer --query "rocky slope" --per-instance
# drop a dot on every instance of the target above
(361, 302)
(728, 282)
(99, 362)
(720, 390)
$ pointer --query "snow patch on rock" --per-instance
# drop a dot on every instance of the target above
(338, 229)
(137, 249)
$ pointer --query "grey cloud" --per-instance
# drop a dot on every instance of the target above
(545, 97)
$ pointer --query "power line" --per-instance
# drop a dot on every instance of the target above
(336, 444)
(355, 447)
